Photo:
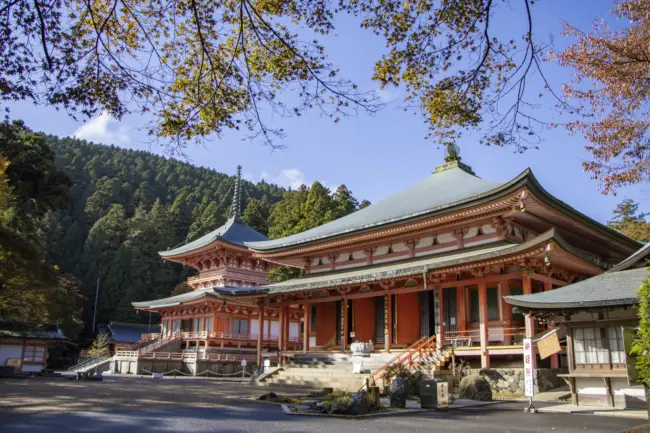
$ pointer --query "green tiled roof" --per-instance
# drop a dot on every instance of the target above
(212, 292)
(608, 289)
(440, 190)
(450, 189)
(233, 231)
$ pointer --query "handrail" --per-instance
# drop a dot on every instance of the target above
(98, 360)
(406, 354)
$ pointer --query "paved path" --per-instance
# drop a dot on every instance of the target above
(143, 407)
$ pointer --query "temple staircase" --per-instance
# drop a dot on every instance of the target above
(158, 344)
(99, 363)
(335, 369)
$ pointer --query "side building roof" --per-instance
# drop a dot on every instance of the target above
(129, 332)
(605, 290)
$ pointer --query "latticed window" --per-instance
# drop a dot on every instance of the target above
(208, 324)
(34, 354)
(196, 325)
(598, 346)
(616, 344)
(240, 326)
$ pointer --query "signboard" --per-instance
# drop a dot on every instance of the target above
(529, 372)
(357, 364)
(14, 362)
(549, 344)
(243, 363)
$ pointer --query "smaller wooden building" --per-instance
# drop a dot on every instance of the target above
(600, 322)
(24, 347)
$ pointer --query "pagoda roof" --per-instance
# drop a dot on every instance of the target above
(605, 290)
(420, 265)
(451, 187)
(233, 231)
(195, 295)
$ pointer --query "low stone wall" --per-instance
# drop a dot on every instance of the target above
(145, 366)
(511, 380)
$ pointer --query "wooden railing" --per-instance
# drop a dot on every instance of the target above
(469, 337)
(156, 344)
(201, 356)
(408, 356)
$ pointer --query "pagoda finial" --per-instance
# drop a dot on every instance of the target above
(453, 152)
(236, 200)
(452, 160)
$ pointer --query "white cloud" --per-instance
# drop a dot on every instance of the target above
(102, 129)
(388, 94)
(292, 178)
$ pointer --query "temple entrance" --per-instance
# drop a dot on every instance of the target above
(379, 320)
(450, 321)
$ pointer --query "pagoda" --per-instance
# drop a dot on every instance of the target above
(202, 319)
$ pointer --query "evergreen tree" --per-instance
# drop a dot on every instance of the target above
(628, 220)
(257, 214)
(343, 202)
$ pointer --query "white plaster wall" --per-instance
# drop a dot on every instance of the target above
(488, 229)
(380, 251)
(473, 231)
(446, 237)
(343, 257)
(10, 351)
(254, 327)
(590, 386)
(275, 329)
(400, 247)
(620, 387)
(425, 242)
(359, 255)
(294, 330)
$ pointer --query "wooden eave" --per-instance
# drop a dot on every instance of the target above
(179, 258)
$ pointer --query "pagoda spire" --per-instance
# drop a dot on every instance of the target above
(236, 200)
(452, 160)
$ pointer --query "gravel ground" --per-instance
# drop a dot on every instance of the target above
(143, 406)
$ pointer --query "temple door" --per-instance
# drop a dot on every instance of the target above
(450, 321)
(379, 320)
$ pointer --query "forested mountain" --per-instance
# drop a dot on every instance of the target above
(127, 205)
(76, 215)
(124, 206)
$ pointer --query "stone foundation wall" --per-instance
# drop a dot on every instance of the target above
(511, 380)
(164, 366)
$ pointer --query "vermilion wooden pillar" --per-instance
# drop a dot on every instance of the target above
(260, 337)
(441, 318)
(530, 322)
(483, 325)
(281, 330)
(346, 331)
(306, 325)
(388, 316)
(507, 311)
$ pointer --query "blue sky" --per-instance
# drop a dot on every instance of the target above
(382, 154)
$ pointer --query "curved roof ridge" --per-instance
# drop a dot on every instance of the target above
(233, 231)
(445, 189)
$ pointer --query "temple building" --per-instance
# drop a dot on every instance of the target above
(431, 263)
(202, 320)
